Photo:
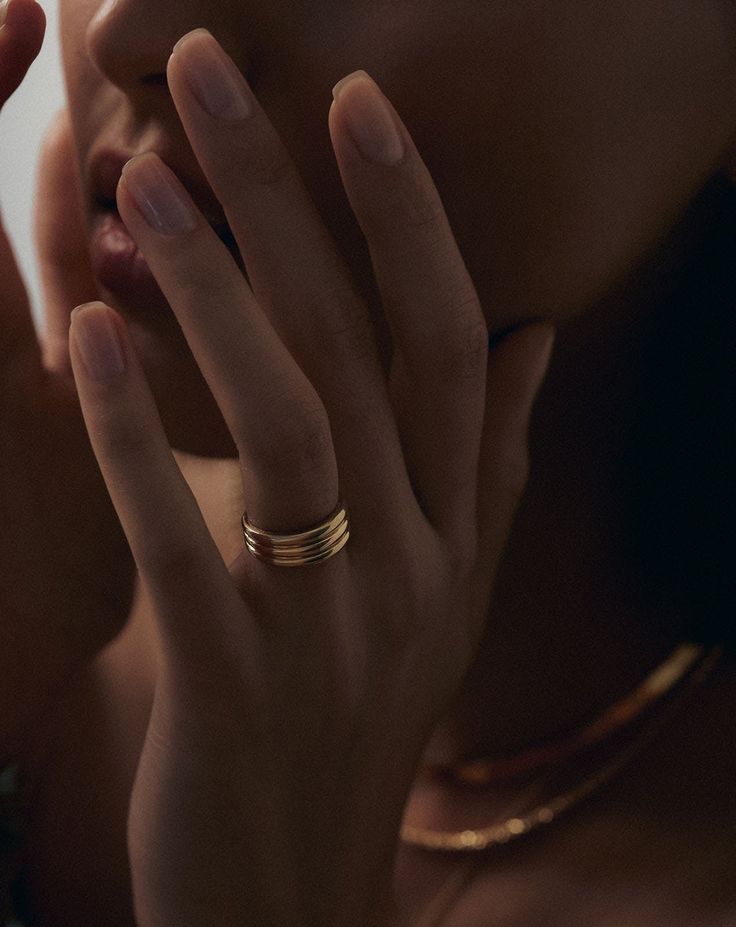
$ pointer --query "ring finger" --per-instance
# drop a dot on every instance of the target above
(297, 276)
(273, 412)
(437, 325)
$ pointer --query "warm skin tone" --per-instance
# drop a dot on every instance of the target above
(569, 212)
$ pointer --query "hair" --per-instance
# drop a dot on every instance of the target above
(681, 459)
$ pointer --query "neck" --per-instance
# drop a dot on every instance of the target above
(570, 630)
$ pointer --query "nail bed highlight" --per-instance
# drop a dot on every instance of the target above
(159, 196)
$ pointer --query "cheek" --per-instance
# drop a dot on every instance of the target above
(542, 231)
(572, 158)
(554, 226)
(74, 17)
(551, 235)
(82, 79)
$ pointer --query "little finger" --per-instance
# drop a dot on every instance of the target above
(438, 330)
(173, 549)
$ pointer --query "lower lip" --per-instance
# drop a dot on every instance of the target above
(118, 263)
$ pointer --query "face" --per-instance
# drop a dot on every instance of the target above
(565, 137)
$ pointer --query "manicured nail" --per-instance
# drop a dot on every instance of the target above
(4, 4)
(213, 78)
(159, 196)
(98, 341)
(369, 119)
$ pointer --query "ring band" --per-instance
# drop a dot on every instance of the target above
(311, 546)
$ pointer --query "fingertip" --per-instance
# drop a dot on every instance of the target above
(21, 39)
(22, 15)
(96, 306)
(96, 332)
(82, 307)
(15, 12)
(84, 311)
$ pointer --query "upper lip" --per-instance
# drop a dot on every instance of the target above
(105, 168)
(105, 165)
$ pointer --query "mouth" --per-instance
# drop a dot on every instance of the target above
(221, 229)
(109, 206)
(117, 261)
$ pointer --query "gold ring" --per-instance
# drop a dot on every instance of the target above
(298, 549)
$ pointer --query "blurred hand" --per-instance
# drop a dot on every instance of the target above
(65, 570)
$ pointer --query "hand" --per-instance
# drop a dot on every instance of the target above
(293, 705)
(66, 576)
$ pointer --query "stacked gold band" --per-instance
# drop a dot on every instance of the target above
(318, 543)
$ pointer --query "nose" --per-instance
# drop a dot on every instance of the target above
(130, 41)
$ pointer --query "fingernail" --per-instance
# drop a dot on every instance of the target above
(98, 341)
(213, 78)
(369, 119)
(159, 196)
(4, 4)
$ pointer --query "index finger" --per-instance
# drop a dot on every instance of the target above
(294, 267)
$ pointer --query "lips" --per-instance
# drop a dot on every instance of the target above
(104, 173)
(116, 259)
(119, 265)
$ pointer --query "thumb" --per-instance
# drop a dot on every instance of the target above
(61, 241)
(516, 371)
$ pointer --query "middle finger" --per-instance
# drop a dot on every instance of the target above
(295, 270)
(274, 414)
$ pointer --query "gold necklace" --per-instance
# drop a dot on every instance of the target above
(488, 771)
(513, 828)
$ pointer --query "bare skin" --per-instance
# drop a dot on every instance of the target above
(604, 661)
(46, 603)
(550, 217)
(652, 850)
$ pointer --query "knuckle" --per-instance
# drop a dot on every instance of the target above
(413, 589)
(457, 348)
(302, 444)
(466, 348)
(343, 322)
(311, 449)
(122, 439)
(193, 280)
(411, 204)
(261, 163)
(422, 208)
(413, 621)
(401, 623)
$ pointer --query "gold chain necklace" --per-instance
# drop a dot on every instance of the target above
(488, 771)
(513, 828)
